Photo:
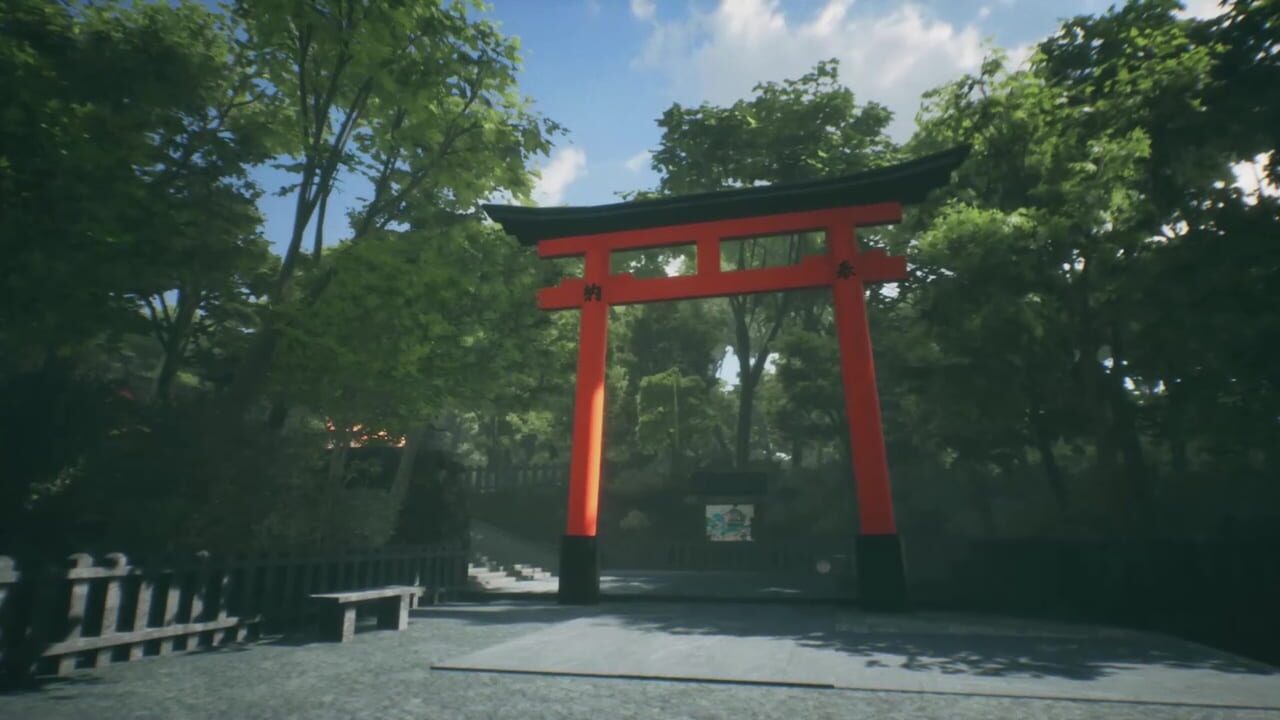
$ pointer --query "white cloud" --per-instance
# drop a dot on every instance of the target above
(1020, 54)
(891, 57)
(1202, 9)
(643, 9)
(984, 12)
(565, 165)
(638, 162)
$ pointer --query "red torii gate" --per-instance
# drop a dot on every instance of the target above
(835, 206)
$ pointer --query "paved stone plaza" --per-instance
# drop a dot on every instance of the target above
(921, 666)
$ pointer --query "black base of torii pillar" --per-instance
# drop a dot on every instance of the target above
(882, 579)
(579, 570)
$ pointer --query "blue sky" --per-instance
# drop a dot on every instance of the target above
(607, 69)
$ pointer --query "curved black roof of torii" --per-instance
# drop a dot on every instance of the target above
(906, 182)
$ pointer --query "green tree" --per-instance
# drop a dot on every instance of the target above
(795, 130)
(416, 99)
(675, 416)
(123, 149)
(400, 335)
(1046, 276)
(686, 338)
(127, 134)
(812, 415)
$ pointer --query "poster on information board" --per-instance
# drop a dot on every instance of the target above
(730, 523)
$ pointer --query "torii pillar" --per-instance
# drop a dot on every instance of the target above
(835, 206)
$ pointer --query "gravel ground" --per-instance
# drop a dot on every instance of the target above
(388, 675)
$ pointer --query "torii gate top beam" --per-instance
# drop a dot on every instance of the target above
(709, 280)
(904, 183)
(865, 199)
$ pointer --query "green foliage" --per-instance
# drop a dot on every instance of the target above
(417, 99)
(124, 144)
(400, 334)
(795, 130)
(136, 262)
(811, 412)
(673, 412)
(125, 137)
(1057, 297)
(1078, 349)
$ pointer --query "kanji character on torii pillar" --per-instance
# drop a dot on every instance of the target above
(835, 206)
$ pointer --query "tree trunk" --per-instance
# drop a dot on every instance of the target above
(1126, 422)
(746, 393)
(1129, 442)
(746, 406)
(1048, 458)
(175, 347)
(980, 489)
(252, 372)
(1052, 471)
(767, 433)
(840, 424)
(278, 416)
(337, 475)
(408, 458)
(338, 457)
(1178, 455)
(726, 452)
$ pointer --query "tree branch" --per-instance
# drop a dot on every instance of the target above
(446, 147)
(157, 326)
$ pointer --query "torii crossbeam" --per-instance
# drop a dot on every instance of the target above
(833, 206)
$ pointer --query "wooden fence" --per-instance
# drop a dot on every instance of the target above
(120, 612)
(487, 480)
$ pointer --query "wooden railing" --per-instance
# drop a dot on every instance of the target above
(120, 612)
(486, 480)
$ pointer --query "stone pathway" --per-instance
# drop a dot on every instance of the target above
(392, 675)
(832, 647)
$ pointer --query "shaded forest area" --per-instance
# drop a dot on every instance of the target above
(1085, 348)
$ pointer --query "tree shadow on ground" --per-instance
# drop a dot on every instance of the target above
(47, 684)
(945, 643)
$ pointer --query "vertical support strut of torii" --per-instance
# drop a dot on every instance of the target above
(833, 206)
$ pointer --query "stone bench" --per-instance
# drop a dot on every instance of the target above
(339, 609)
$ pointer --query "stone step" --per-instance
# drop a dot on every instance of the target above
(490, 576)
(492, 583)
(530, 573)
(487, 570)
